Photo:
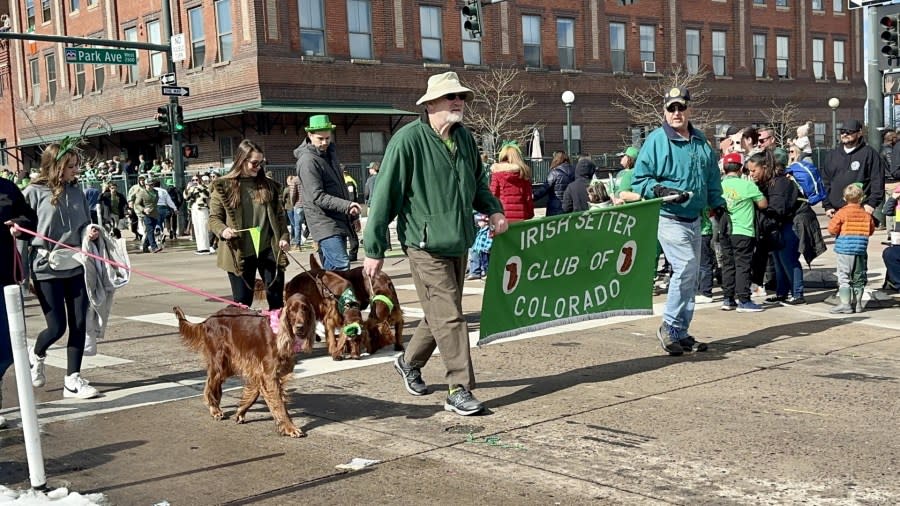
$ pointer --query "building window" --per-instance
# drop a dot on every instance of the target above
(198, 37)
(759, 2)
(782, 59)
(531, 40)
(4, 156)
(838, 5)
(819, 136)
(692, 50)
(565, 42)
(817, 5)
(35, 66)
(430, 26)
(359, 21)
(74, 5)
(648, 43)
(79, 79)
(46, 15)
(156, 57)
(818, 58)
(759, 54)
(576, 139)
(718, 53)
(617, 46)
(781, 3)
(371, 147)
(223, 30)
(226, 150)
(50, 62)
(29, 13)
(131, 71)
(312, 28)
(839, 61)
(99, 77)
(471, 46)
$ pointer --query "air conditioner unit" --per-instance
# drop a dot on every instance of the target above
(649, 67)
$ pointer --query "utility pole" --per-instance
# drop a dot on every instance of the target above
(874, 93)
(177, 153)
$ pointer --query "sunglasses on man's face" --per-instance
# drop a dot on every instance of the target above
(676, 107)
(847, 132)
(453, 96)
(763, 139)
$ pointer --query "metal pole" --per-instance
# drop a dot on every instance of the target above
(569, 129)
(15, 313)
(874, 95)
(177, 152)
(833, 128)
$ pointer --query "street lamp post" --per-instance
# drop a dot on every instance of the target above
(568, 98)
(834, 103)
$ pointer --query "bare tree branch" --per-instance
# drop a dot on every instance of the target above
(784, 120)
(643, 106)
(495, 112)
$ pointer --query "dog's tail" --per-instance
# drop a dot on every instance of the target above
(193, 334)
(259, 290)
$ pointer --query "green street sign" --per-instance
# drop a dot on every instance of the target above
(101, 56)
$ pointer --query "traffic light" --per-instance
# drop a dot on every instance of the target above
(891, 38)
(190, 151)
(162, 117)
(177, 119)
(472, 12)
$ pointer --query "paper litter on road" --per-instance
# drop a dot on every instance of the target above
(356, 464)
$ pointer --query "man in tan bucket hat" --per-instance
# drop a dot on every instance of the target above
(431, 179)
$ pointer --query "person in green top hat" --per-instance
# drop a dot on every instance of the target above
(331, 215)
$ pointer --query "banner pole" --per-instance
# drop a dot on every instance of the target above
(16, 315)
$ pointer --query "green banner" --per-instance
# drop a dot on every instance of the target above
(568, 268)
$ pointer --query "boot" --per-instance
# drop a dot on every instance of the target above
(845, 306)
(858, 296)
(2, 418)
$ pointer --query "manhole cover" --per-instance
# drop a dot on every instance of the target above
(464, 429)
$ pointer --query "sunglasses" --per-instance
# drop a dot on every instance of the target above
(848, 132)
(764, 138)
(676, 107)
(256, 163)
(453, 96)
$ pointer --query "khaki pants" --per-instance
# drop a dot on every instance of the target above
(439, 283)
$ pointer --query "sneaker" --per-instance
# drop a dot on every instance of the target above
(2, 422)
(728, 305)
(38, 379)
(462, 402)
(689, 344)
(776, 298)
(78, 387)
(412, 377)
(202, 252)
(212, 250)
(668, 343)
(795, 301)
(472, 277)
(702, 299)
(748, 307)
(157, 250)
(757, 290)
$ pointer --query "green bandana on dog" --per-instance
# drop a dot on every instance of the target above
(384, 300)
(347, 297)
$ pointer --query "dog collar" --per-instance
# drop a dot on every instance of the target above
(347, 297)
(352, 329)
(384, 300)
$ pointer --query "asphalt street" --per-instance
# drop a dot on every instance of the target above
(789, 406)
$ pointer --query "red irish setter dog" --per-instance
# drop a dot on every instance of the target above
(241, 341)
(336, 307)
(385, 321)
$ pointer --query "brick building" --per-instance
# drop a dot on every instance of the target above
(258, 69)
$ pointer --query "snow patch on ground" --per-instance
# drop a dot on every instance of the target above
(57, 497)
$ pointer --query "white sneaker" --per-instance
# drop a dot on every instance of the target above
(78, 387)
(757, 290)
(212, 250)
(702, 299)
(38, 379)
(2, 422)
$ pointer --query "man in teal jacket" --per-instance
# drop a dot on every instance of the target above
(676, 161)
(430, 180)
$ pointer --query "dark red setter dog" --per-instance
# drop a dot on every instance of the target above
(237, 341)
(385, 321)
(336, 307)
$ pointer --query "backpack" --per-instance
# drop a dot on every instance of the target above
(808, 179)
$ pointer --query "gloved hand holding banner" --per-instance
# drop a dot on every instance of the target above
(568, 268)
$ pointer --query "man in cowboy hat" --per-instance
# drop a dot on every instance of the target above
(331, 216)
(430, 180)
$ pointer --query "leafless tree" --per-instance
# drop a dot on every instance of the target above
(495, 114)
(643, 105)
(783, 120)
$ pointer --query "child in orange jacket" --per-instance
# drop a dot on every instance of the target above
(852, 226)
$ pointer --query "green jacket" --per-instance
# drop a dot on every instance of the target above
(430, 192)
(228, 255)
(146, 203)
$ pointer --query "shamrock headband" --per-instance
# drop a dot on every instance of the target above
(66, 145)
(510, 144)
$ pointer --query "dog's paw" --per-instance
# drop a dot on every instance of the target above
(291, 431)
(337, 357)
(217, 414)
(239, 419)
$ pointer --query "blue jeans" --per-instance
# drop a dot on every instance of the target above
(163, 217)
(478, 262)
(6, 353)
(149, 236)
(788, 271)
(333, 253)
(295, 232)
(707, 265)
(680, 242)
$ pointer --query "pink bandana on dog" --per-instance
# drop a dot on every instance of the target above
(274, 317)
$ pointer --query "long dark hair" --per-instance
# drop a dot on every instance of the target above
(263, 192)
(559, 158)
(766, 160)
